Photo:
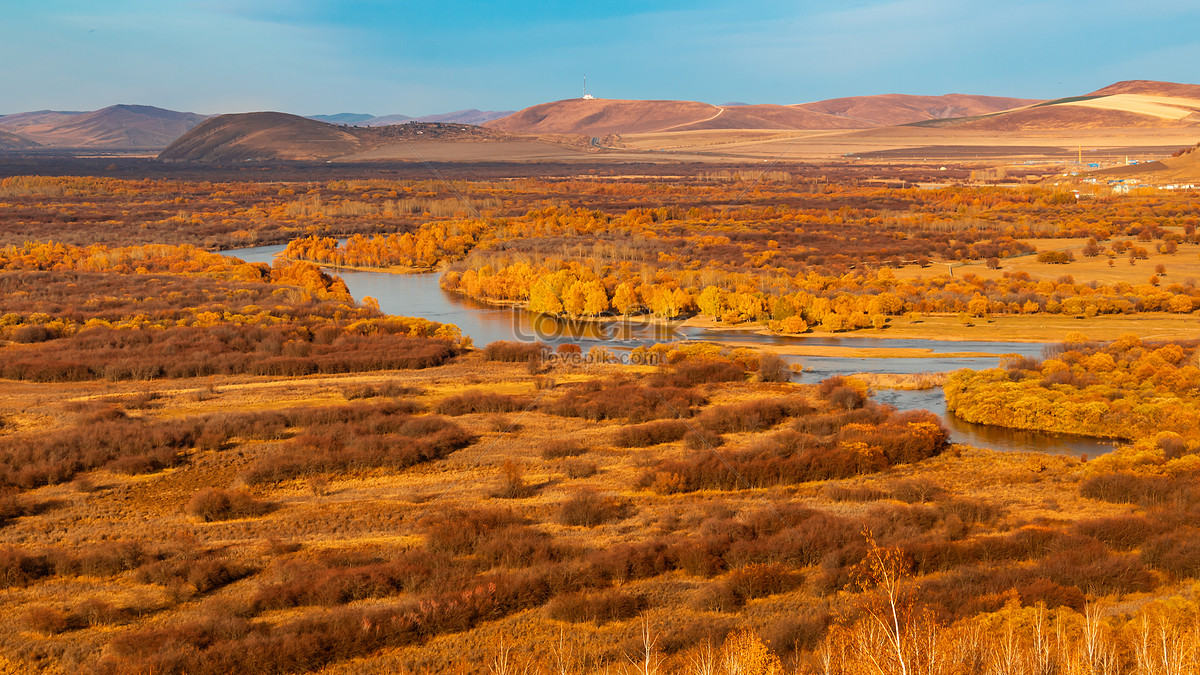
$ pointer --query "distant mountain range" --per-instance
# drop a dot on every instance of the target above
(471, 116)
(1130, 104)
(600, 117)
(126, 127)
(273, 136)
(141, 127)
(1124, 105)
(1133, 104)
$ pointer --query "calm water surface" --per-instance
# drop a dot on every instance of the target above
(420, 295)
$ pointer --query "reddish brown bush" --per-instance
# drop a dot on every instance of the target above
(697, 631)
(575, 468)
(589, 509)
(599, 607)
(1095, 570)
(746, 583)
(844, 492)
(1123, 533)
(841, 394)
(514, 352)
(1051, 594)
(1129, 488)
(369, 438)
(306, 583)
(512, 482)
(460, 531)
(560, 449)
(625, 562)
(785, 457)
(50, 620)
(702, 371)
(797, 633)
(650, 433)
(480, 402)
(603, 400)
(197, 572)
(1177, 553)
(127, 445)
(914, 490)
(751, 416)
(211, 504)
(385, 389)
(518, 545)
(699, 438)
(772, 368)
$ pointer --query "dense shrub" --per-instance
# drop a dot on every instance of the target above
(210, 504)
(386, 389)
(298, 583)
(1095, 570)
(588, 508)
(480, 402)
(191, 351)
(840, 392)
(626, 562)
(514, 352)
(914, 490)
(800, 633)
(1123, 533)
(746, 583)
(1176, 553)
(223, 643)
(512, 482)
(789, 456)
(575, 468)
(702, 371)
(599, 607)
(751, 416)
(846, 492)
(461, 530)
(772, 368)
(371, 438)
(1129, 488)
(124, 445)
(562, 448)
(604, 400)
(197, 571)
(650, 433)
(518, 545)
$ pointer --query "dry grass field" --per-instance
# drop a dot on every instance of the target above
(375, 514)
(209, 466)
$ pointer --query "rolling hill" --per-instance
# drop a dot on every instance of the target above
(601, 117)
(124, 127)
(896, 109)
(11, 141)
(17, 123)
(1130, 104)
(261, 136)
(275, 136)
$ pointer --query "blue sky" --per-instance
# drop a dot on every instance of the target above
(383, 57)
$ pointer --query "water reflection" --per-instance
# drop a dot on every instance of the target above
(817, 368)
(987, 436)
(1031, 349)
(420, 295)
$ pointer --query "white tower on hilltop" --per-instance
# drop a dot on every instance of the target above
(586, 96)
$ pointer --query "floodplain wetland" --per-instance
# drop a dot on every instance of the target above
(210, 465)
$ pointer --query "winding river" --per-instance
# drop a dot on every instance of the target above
(420, 295)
